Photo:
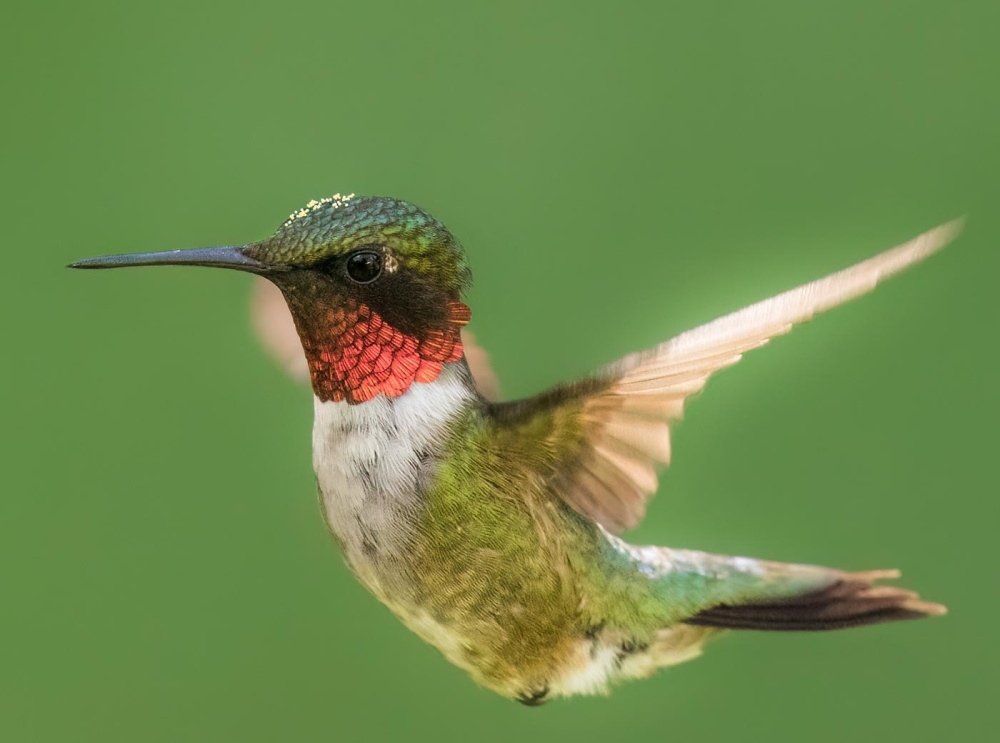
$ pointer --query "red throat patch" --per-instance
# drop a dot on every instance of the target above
(356, 354)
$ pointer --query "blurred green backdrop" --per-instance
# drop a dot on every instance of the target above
(618, 173)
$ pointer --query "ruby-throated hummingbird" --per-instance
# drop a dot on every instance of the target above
(491, 529)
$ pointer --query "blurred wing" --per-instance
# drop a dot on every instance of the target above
(276, 330)
(619, 418)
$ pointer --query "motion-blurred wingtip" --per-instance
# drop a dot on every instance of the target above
(949, 231)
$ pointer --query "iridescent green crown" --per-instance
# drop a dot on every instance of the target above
(338, 224)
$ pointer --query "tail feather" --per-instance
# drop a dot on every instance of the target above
(853, 600)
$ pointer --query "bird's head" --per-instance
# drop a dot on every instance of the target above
(374, 285)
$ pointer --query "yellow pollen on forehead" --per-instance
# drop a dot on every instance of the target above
(336, 201)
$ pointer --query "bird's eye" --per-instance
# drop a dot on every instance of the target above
(364, 266)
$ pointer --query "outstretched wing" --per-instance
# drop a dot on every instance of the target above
(619, 419)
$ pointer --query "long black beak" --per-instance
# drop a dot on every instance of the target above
(226, 256)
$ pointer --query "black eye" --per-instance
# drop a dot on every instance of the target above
(364, 266)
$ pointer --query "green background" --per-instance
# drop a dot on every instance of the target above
(618, 173)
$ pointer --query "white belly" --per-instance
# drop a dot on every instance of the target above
(374, 460)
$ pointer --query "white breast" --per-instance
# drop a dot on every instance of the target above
(372, 461)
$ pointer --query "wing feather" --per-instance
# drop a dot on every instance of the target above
(624, 411)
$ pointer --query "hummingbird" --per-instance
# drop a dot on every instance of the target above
(493, 529)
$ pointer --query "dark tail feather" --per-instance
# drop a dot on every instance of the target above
(852, 601)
